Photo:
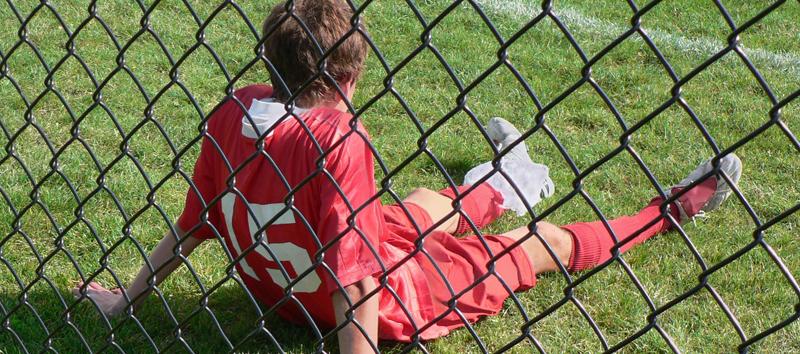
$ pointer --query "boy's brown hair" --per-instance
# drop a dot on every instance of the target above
(291, 50)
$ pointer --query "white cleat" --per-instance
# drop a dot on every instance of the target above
(709, 194)
(531, 178)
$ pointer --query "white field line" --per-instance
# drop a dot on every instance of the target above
(789, 63)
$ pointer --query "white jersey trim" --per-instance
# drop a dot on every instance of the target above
(264, 114)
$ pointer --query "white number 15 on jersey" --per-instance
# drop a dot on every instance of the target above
(297, 256)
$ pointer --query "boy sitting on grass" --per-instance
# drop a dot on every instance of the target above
(292, 196)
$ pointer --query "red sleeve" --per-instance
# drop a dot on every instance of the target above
(350, 257)
(197, 199)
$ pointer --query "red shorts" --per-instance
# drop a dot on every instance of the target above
(464, 262)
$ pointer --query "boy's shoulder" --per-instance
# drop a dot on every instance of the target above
(232, 107)
(255, 91)
(335, 125)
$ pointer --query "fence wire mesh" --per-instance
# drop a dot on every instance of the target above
(106, 104)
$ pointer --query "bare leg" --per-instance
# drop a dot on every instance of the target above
(591, 242)
(481, 206)
(437, 206)
(560, 242)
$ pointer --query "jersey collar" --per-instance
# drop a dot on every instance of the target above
(265, 113)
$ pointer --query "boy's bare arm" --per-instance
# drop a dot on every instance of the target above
(351, 339)
(163, 259)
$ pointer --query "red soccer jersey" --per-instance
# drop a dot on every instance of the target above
(311, 175)
(312, 183)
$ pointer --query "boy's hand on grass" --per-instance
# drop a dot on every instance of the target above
(113, 302)
(110, 301)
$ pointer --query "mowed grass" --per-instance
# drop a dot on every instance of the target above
(105, 180)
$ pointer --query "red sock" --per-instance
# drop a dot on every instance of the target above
(483, 205)
(592, 243)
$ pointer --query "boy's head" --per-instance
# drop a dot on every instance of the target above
(291, 49)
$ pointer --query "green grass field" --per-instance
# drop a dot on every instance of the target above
(725, 96)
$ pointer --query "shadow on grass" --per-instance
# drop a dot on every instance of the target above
(457, 168)
(152, 327)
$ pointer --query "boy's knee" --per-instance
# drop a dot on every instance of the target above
(423, 191)
(421, 195)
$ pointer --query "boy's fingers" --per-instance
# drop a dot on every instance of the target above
(91, 289)
(76, 291)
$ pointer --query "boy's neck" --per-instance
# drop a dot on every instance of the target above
(338, 105)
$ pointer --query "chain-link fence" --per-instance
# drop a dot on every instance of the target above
(105, 106)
